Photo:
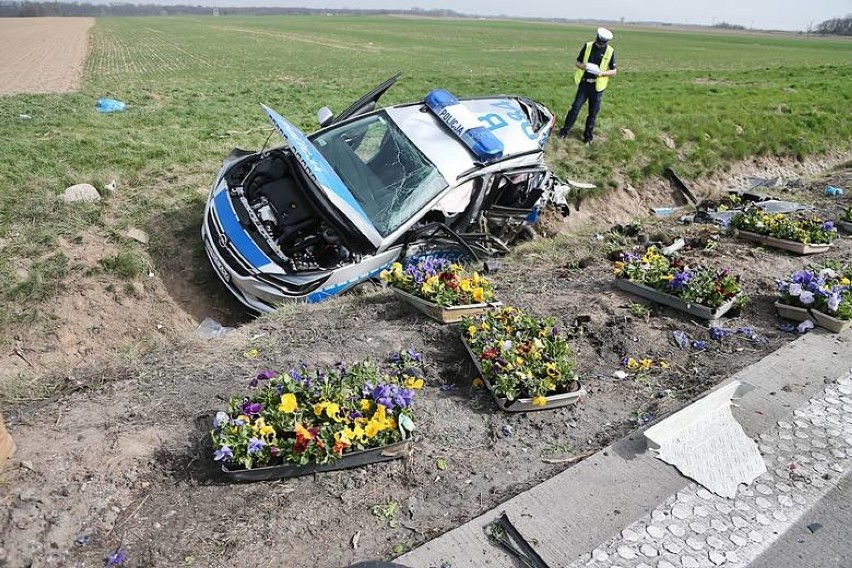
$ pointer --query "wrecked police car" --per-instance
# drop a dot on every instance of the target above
(324, 212)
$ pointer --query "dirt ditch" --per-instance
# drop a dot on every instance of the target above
(122, 457)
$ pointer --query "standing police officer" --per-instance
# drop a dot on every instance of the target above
(595, 65)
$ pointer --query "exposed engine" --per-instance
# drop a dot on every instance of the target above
(282, 215)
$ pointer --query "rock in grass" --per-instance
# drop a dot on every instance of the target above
(137, 235)
(627, 134)
(81, 192)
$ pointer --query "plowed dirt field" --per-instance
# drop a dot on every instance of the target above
(42, 55)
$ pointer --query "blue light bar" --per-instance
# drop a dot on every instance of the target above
(484, 145)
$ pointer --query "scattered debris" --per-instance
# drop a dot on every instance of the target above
(668, 142)
(504, 534)
(674, 247)
(355, 539)
(681, 186)
(83, 540)
(110, 105)
(110, 187)
(666, 211)
(707, 444)
(814, 527)
(505, 431)
(805, 326)
(621, 375)
(25, 117)
(137, 235)
(441, 463)
(81, 192)
(699, 345)
(211, 329)
(644, 419)
(627, 134)
(570, 459)
(832, 191)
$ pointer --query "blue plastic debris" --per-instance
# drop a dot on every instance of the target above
(832, 191)
(109, 105)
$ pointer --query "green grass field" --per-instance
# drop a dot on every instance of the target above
(194, 85)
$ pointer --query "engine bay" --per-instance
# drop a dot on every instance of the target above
(281, 216)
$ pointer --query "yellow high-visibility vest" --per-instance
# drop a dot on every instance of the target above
(601, 82)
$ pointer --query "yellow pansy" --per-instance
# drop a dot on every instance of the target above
(539, 401)
(258, 424)
(478, 295)
(364, 405)
(371, 429)
(288, 403)
(471, 331)
(465, 285)
(252, 354)
(664, 365)
(845, 281)
(645, 364)
(413, 383)
(267, 432)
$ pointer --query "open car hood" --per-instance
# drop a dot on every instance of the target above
(326, 180)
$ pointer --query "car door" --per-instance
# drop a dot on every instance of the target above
(368, 102)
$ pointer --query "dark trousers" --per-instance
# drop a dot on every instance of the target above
(585, 92)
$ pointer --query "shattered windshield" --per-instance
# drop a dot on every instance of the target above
(391, 179)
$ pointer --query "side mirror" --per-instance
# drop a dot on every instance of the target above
(324, 116)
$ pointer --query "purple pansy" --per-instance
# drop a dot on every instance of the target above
(117, 558)
(250, 408)
(223, 453)
(255, 446)
(262, 376)
(834, 301)
(219, 419)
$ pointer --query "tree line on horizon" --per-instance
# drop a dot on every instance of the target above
(60, 9)
(834, 26)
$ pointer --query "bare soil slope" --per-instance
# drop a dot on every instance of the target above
(42, 55)
(121, 457)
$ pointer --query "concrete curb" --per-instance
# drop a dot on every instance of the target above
(570, 514)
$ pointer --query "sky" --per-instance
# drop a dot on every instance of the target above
(763, 14)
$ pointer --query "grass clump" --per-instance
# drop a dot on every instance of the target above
(128, 263)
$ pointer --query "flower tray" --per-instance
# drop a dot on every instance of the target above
(355, 459)
(526, 404)
(697, 310)
(845, 225)
(831, 324)
(444, 314)
(791, 246)
(793, 313)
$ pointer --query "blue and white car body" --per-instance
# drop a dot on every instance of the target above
(324, 212)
